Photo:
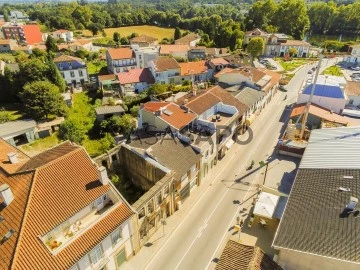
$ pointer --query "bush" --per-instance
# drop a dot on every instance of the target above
(71, 130)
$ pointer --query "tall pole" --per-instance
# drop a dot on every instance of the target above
(307, 107)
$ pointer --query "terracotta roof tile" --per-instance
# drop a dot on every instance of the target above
(321, 112)
(165, 63)
(219, 61)
(143, 38)
(352, 88)
(154, 106)
(169, 49)
(121, 53)
(13, 214)
(203, 102)
(275, 78)
(135, 76)
(6, 148)
(190, 68)
(61, 31)
(67, 58)
(248, 72)
(107, 77)
(185, 40)
(295, 43)
(256, 32)
(237, 256)
(229, 99)
(84, 41)
(32, 34)
(4, 41)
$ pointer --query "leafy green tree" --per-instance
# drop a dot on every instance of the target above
(135, 110)
(117, 124)
(124, 41)
(293, 52)
(255, 46)
(116, 37)
(177, 33)
(271, 29)
(291, 17)
(36, 52)
(236, 39)
(107, 142)
(71, 130)
(50, 44)
(42, 100)
(55, 76)
(261, 14)
(157, 89)
(95, 28)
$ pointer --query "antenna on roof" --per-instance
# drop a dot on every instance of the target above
(303, 122)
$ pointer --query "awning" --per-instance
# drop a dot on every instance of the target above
(229, 143)
(266, 204)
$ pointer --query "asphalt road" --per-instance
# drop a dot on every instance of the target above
(193, 245)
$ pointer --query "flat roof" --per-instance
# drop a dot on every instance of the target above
(16, 126)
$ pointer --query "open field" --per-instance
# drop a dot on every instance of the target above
(153, 31)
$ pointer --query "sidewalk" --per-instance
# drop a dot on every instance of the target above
(158, 239)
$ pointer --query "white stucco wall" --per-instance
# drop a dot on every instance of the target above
(334, 104)
(68, 78)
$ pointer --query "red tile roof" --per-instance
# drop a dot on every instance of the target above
(63, 183)
(219, 61)
(320, 112)
(171, 113)
(32, 34)
(169, 49)
(135, 76)
(190, 68)
(201, 103)
(121, 53)
(67, 58)
(275, 78)
(143, 38)
(229, 99)
(185, 40)
(6, 148)
(61, 31)
(166, 63)
(295, 43)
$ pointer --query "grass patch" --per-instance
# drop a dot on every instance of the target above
(40, 145)
(97, 67)
(293, 64)
(333, 70)
(153, 31)
(10, 112)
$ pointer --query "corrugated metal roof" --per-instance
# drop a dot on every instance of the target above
(331, 91)
(333, 148)
(16, 126)
(109, 109)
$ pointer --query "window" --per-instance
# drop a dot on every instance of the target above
(80, 73)
(96, 254)
(116, 236)
(72, 73)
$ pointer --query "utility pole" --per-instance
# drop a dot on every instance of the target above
(306, 114)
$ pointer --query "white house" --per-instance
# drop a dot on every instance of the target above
(165, 70)
(144, 55)
(72, 69)
(120, 60)
(66, 35)
(86, 223)
(302, 48)
(191, 40)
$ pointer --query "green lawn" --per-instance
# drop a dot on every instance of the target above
(293, 64)
(97, 67)
(153, 31)
(333, 70)
(10, 112)
(40, 145)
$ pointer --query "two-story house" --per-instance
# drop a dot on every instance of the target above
(165, 70)
(120, 60)
(302, 48)
(72, 69)
(255, 33)
(66, 35)
(196, 72)
(60, 211)
(144, 55)
(28, 34)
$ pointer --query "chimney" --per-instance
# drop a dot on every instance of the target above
(12, 157)
(6, 194)
(103, 177)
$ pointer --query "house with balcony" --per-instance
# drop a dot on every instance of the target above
(166, 70)
(60, 211)
(120, 60)
(66, 35)
(72, 69)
